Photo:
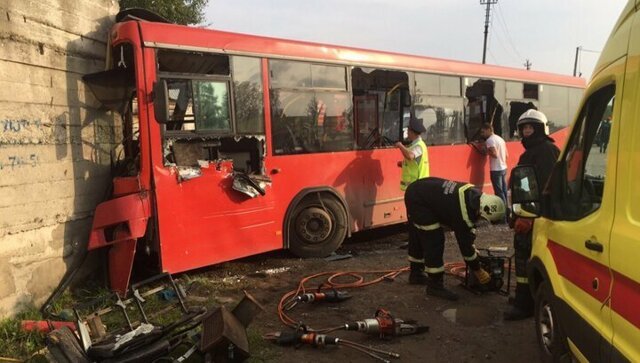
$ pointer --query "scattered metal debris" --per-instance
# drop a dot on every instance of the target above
(221, 334)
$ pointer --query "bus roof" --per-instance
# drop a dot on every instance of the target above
(172, 36)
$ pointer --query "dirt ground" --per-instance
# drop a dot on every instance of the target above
(469, 330)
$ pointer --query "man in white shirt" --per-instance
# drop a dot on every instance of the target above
(497, 151)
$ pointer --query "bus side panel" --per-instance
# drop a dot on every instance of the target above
(204, 221)
(465, 163)
(369, 182)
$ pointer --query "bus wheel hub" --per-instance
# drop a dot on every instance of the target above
(314, 225)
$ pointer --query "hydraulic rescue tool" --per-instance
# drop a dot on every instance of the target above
(386, 326)
(328, 296)
(302, 337)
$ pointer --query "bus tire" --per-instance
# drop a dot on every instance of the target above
(318, 225)
(549, 332)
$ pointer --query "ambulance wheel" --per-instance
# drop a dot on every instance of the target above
(551, 337)
(317, 226)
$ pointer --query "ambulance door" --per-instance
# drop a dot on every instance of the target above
(625, 237)
(583, 190)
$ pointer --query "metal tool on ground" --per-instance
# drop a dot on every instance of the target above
(135, 337)
(386, 326)
(224, 337)
(247, 309)
(330, 296)
(301, 337)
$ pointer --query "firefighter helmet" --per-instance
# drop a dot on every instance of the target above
(492, 207)
(534, 117)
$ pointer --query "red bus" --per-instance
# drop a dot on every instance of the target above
(235, 144)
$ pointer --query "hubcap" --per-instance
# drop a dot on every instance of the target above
(314, 225)
(546, 326)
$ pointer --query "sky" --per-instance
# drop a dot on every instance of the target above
(546, 32)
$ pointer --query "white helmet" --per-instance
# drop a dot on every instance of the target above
(533, 117)
(492, 207)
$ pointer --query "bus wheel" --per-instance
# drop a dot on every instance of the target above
(317, 227)
(550, 334)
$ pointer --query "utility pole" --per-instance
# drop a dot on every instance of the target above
(488, 3)
(527, 65)
(575, 62)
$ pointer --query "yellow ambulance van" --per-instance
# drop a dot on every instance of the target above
(584, 270)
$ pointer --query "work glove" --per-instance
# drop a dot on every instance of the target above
(523, 225)
(482, 276)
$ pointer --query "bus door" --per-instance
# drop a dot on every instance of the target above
(214, 201)
(382, 107)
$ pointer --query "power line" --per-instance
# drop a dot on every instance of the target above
(495, 35)
(503, 22)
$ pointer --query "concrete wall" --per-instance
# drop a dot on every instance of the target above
(54, 142)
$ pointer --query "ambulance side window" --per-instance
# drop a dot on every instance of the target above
(584, 163)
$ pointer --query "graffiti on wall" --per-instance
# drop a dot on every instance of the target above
(19, 126)
(16, 126)
(16, 161)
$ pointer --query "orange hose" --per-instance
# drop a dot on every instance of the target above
(457, 269)
(332, 283)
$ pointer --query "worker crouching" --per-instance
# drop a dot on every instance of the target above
(434, 202)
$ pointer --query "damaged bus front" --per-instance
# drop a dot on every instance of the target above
(190, 168)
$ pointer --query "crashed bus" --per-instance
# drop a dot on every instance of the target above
(235, 144)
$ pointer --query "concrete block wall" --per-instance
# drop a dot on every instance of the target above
(54, 141)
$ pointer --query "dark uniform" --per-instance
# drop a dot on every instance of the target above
(541, 153)
(431, 203)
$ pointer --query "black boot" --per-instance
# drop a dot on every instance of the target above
(522, 304)
(435, 287)
(417, 275)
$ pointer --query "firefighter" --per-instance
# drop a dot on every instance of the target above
(434, 202)
(541, 153)
(415, 165)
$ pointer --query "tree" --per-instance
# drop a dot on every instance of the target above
(178, 11)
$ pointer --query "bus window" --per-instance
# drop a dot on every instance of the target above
(211, 102)
(248, 99)
(450, 86)
(335, 116)
(310, 108)
(203, 124)
(519, 98)
(482, 107)
(439, 104)
(382, 99)
(171, 61)
(443, 118)
(329, 77)
(530, 90)
(554, 102)
(514, 90)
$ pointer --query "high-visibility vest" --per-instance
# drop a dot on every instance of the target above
(412, 170)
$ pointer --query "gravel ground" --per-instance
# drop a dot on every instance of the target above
(469, 330)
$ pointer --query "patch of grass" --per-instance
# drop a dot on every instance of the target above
(260, 349)
(16, 343)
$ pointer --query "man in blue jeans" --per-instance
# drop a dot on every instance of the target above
(497, 151)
